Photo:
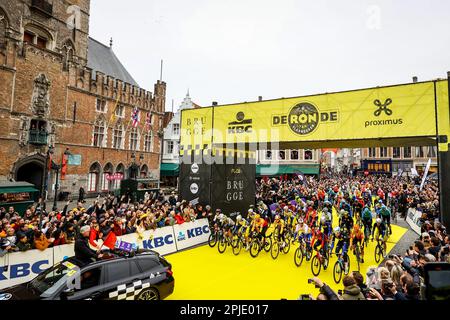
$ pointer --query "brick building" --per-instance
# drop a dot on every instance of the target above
(59, 89)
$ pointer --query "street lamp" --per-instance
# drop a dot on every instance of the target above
(57, 168)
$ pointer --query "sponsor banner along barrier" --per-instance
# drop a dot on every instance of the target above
(413, 219)
(191, 234)
(25, 266)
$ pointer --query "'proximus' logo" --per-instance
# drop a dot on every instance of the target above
(304, 118)
(383, 107)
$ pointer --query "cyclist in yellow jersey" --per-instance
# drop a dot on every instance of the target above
(279, 226)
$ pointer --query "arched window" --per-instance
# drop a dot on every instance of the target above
(148, 143)
(118, 136)
(144, 171)
(107, 171)
(38, 36)
(93, 177)
(119, 170)
(99, 133)
(134, 139)
(3, 26)
(68, 51)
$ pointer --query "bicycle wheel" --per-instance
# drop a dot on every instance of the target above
(346, 264)
(275, 251)
(287, 246)
(267, 244)
(326, 261)
(315, 266)
(222, 245)
(358, 257)
(212, 240)
(254, 248)
(337, 272)
(378, 253)
(298, 257)
(237, 247)
(308, 254)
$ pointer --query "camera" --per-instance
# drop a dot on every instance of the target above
(392, 256)
(310, 281)
(305, 297)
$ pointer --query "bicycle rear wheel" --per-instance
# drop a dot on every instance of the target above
(346, 264)
(222, 245)
(298, 257)
(275, 251)
(337, 272)
(237, 247)
(267, 244)
(378, 253)
(315, 266)
(254, 248)
(287, 246)
(212, 240)
(358, 257)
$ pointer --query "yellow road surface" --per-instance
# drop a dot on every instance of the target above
(205, 274)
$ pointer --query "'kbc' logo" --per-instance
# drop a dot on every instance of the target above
(241, 125)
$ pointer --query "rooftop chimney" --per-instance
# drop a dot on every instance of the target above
(415, 79)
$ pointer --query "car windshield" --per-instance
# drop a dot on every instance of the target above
(44, 282)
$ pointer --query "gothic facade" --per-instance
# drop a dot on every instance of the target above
(62, 90)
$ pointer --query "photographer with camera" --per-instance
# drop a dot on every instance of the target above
(326, 293)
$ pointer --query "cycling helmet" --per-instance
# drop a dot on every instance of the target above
(250, 211)
(300, 221)
(277, 217)
(378, 221)
(257, 217)
(337, 230)
(325, 210)
(239, 218)
(218, 210)
(221, 217)
(323, 220)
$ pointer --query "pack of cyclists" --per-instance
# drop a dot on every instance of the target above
(309, 221)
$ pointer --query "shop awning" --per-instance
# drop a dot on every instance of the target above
(170, 169)
(273, 170)
(17, 187)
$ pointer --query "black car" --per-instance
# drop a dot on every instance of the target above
(144, 276)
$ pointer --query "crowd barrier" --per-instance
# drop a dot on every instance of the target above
(24, 266)
(413, 219)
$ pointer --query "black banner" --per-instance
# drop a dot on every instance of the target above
(233, 188)
(195, 183)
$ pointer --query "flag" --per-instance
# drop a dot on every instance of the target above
(113, 115)
(135, 117)
(110, 240)
(148, 121)
(64, 167)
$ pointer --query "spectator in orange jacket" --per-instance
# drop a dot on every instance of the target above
(41, 242)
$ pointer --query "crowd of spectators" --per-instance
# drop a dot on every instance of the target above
(399, 278)
(41, 229)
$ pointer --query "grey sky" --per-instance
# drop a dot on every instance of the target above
(234, 51)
